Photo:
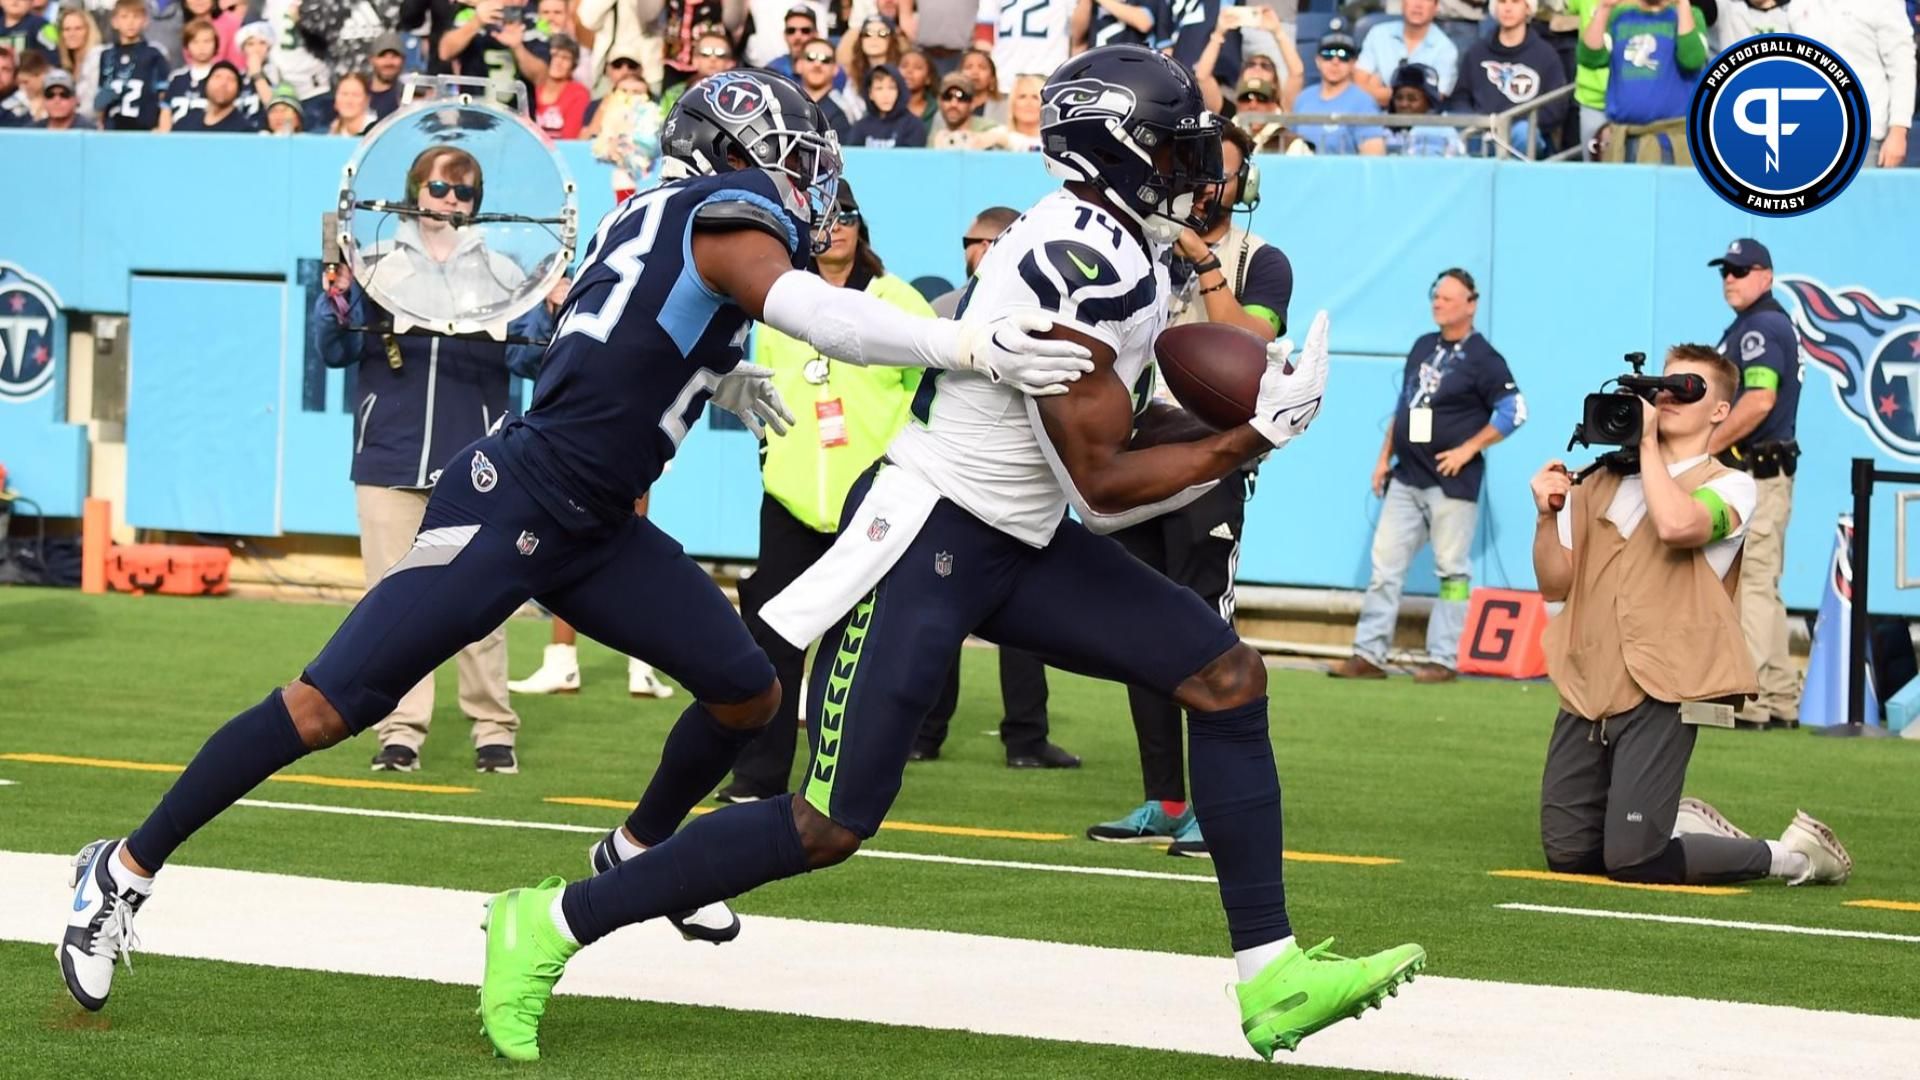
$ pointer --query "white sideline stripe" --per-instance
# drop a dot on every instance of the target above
(998, 986)
(1727, 924)
(550, 826)
(8, 783)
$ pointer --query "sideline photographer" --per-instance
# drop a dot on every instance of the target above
(1758, 438)
(1645, 552)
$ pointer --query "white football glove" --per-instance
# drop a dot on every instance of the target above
(747, 392)
(1290, 394)
(1004, 350)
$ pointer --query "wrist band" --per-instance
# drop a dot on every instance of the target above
(1213, 288)
(1206, 265)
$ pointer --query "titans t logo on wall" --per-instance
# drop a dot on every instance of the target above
(1871, 347)
(29, 335)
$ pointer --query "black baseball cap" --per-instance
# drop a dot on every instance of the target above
(1745, 255)
(1420, 77)
(802, 11)
(1339, 35)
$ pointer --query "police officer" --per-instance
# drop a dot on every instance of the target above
(417, 398)
(1223, 274)
(1759, 438)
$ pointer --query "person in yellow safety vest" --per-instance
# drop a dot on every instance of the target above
(845, 415)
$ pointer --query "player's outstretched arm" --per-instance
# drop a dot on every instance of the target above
(753, 269)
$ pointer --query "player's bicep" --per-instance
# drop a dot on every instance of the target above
(741, 263)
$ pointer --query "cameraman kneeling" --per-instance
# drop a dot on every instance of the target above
(1649, 646)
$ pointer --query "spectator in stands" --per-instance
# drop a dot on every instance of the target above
(1653, 50)
(255, 45)
(1461, 20)
(612, 120)
(816, 74)
(877, 43)
(712, 55)
(767, 38)
(63, 112)
(1589, 83)
(845, 416)
(133, 75)
(481, 33)
(352, 106)
(1416, 92)
(1338, 93)
(1117, 22)
(1036, 36)
(686, 22)
(1738, 20)
(296, 64)
(31, 79)
(186, 90)
(1510, 67)
(422, 397)
(14, 111)
(1022, 131)
(989, 101)
(944, 30)
(80, 48)
(228, 19)
(1456, 392)
(219, 109)
(199, 11)
(916, 78)
(1256, 94)
(558, 15)
(560, 106)
(630, 27)
(1189, 27)
(438, 16)
(1412, 38)
(388, 64)
(1227, 275)
(887, 121)
(1877, 38)
(284, 113)
(801, 25)
(1258, 66)
(24, 31)
(956, 125)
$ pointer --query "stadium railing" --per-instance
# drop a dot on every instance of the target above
(1496, 127)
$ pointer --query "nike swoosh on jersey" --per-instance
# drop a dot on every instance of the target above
(1092, 272)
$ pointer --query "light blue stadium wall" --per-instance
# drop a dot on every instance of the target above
(198, 237)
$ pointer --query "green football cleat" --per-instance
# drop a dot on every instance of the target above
(526, 954)
(1304, 990)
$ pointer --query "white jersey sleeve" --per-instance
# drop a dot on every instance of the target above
(975, 440)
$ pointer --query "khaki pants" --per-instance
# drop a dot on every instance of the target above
(1763, 617)
(389, 518)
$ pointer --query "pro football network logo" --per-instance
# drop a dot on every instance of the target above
(1779, 125)
(1870, 345)
(29, 335)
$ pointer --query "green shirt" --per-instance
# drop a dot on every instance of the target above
(810, 468)
(1589, 83)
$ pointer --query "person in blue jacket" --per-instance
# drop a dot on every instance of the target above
(417, 399)
(888, 121)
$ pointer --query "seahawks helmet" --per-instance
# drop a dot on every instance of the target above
(1132, 122)
(758, 120)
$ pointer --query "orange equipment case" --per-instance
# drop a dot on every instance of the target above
(168, 569)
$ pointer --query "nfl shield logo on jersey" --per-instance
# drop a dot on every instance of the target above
(484, 474)
(943, 563)
(877, 531)
(527, 542)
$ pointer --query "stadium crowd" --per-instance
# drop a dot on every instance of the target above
(935, 73)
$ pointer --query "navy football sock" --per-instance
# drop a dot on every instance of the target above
(1236, 796)
(245, 751)
(699, 752)
(716, 857)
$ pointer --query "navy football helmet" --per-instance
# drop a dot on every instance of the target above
(758, 120)
(1132, 122)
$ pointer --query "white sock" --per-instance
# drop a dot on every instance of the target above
(560, 918)
(1787, 863)
(624, 847)
(1255, 960)
(124, 877)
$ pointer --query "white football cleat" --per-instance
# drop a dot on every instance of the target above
(642, 682)
(559, 673)
(714, 923)
(100, 926)
(1699, 816)
(1827, 862)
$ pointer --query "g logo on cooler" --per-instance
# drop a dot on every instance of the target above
(29, 335)
(1779, 125)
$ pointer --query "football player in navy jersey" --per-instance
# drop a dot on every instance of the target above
(963, 529)
(544, 506)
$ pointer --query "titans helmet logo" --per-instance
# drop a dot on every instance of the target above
(1870, 345)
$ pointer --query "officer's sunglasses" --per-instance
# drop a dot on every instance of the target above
(440, 189)
(1728, 270)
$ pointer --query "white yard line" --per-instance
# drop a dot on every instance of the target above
(1000, 986)
(600, 830)
(1726, 924)
(8, 783)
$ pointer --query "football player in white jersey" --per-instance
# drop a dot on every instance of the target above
(963, 529)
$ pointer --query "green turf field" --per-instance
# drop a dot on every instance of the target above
(1444, 779)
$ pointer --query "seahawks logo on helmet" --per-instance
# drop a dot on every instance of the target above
(1079, 99)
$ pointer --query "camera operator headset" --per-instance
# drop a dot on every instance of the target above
(1224, 274)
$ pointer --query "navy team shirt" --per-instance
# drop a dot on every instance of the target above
(133, 86)
(1762, 341)
(1468, 386)
(486, 57)
(638, 348)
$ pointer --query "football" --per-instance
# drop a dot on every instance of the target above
(1213, 371)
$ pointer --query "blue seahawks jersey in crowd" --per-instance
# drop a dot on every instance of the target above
(639, 346)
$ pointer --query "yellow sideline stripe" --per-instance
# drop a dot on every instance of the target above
(988, 834)
(314, 781)
(1595, 879)
(1885, 905)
